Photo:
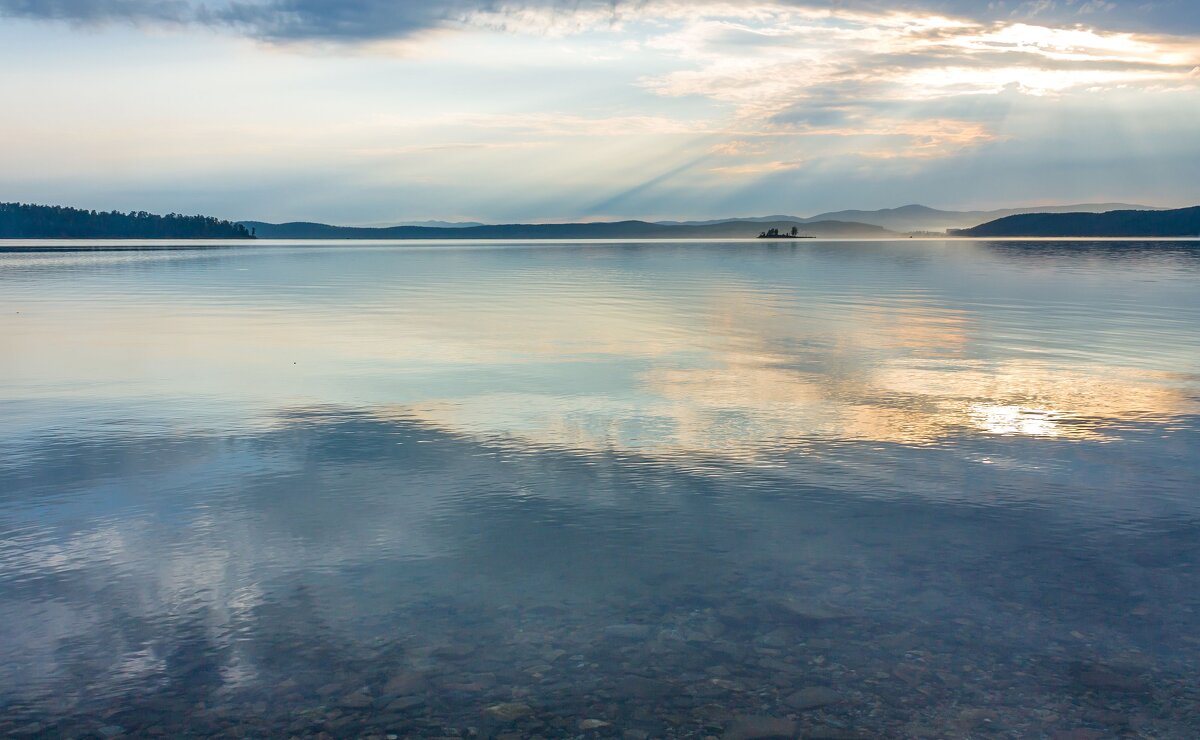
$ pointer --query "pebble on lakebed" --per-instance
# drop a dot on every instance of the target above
(759, 727)
(509, 711)
(813, 697)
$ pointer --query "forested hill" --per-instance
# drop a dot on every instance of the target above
(24, 221)
(1178, 222)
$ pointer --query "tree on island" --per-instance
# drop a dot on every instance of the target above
(777, 234)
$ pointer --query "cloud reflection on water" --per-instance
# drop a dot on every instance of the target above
(372, 524)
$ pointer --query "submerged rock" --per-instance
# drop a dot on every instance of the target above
(1104, 678)
(1079, 734)
(403, 684)
(509, 711)
(356, 700)
(405, 703)
(813, 611)
(627, 631)
(759, 727)
(640, 687)
(832, 733)
(592, 724)
(812, 697)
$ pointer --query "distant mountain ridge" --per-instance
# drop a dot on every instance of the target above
(1179, 222)
(432, 223)
(916, 218)
(601, 230)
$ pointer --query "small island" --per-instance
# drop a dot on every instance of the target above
(777, 234)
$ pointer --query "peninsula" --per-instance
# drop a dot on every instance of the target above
(1180, 222)
(28, 221)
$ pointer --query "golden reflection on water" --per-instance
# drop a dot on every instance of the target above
(895, 402)
(1031, 422)
(770, 381)
(720, 370)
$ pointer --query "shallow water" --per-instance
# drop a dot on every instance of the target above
(897, 489)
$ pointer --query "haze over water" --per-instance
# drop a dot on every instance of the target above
(899, 489)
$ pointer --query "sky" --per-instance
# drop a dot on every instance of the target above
(376, 112)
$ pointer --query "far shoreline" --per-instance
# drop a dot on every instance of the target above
(115, 244)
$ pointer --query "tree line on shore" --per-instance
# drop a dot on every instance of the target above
(28, 221)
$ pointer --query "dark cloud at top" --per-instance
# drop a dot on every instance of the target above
(295, 20)
(100, 11)
(337, 20)
(370, 20)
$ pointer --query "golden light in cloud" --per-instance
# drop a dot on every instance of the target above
(1081, 44)
(1031, 81)
(838, 73)
(926, 139)
(796, 84)
(758, 168)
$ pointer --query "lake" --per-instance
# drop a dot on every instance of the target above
(747, 489)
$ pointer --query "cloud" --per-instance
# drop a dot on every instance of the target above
(758, 168)
(453, 146)
(737, 148)
(101, 11)
(360, 20)
(897, 57)
(374, 20)
(881, 77)
(747, 89)
(348, 21)
(363, 20)
(1178, 16)
(574, 125)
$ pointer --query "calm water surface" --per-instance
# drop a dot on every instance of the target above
(825, 489)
